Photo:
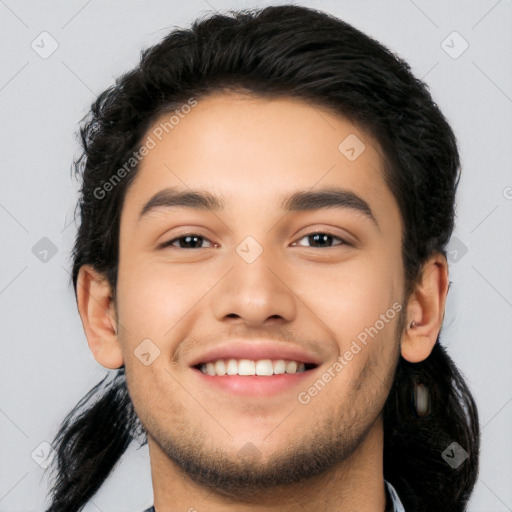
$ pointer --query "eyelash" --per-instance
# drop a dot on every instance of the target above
(343, 242)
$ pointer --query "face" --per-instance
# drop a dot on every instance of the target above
(293, 264)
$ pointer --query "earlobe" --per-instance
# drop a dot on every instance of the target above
(97, 312)
(425, 310)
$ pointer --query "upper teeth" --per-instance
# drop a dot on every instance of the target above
(249, 367)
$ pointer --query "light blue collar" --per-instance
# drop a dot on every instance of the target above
(397, 504)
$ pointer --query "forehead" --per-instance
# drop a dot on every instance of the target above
(244, 148)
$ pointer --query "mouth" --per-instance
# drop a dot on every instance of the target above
(259, 368)
(250, 367)
(254, 378)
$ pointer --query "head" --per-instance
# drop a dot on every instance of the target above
(317, 182)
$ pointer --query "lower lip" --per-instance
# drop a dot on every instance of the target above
(255, 385)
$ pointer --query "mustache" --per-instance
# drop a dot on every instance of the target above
(195, 343)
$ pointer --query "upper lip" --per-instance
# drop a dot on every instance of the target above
(256, 350)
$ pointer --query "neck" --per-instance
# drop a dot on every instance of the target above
(355, 484)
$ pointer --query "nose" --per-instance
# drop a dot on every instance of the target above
(254, 293)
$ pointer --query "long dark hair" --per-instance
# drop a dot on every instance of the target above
(287, 51)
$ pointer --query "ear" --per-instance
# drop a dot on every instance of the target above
(97, 312)
(425, 308)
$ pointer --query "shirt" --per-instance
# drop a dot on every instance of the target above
(395, 500)
(390, 495)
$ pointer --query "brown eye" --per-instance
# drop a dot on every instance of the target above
(321, 240)
(186, 241)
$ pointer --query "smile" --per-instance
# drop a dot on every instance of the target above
(248, 367)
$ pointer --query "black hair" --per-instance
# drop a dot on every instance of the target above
(299, 52)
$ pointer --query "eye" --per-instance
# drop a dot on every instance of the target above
(186, 241)
(194, 241)
(323, 239)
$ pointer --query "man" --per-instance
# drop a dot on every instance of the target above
(265, 205)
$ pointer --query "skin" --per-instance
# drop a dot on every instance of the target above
(251, 151)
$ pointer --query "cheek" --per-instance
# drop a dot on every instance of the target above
(148, 299)
(352, 297)
(159, 301)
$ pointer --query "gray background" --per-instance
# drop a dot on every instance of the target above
(46, 365)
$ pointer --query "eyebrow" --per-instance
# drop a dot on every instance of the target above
(330, 197)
